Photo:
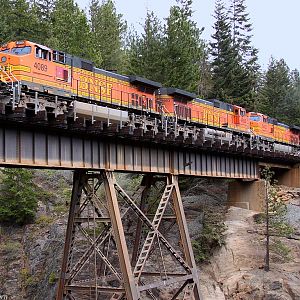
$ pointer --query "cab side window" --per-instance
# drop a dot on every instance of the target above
(59, 57)
(42, 53)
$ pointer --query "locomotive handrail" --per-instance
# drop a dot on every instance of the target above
(13, 79)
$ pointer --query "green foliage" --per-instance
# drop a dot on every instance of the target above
(107, 32)
(234, 60)
(170, 54)
(275, 88)
(11, 250)
(241, 36)
(10, 246)
(184, 48)
(43, 9)
(279, 94)
(276, 206)
(70, 29)
(212, 235)
(17, 21)
(18, 198)
(293, 99)
(26, 278)
(52, 278)
(223, 54)
(281, 249)
(184, 183)
(5, 11)
(276, 210)
(94, 231)
(146, 52)
(44, 220)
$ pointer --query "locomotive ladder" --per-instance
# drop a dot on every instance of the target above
(15, 84)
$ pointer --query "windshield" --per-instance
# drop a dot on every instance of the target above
(4, 50)
(21, 50)
(255, 118)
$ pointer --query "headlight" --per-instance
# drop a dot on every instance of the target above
(3, 59)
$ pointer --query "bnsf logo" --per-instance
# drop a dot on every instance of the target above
(40, 67)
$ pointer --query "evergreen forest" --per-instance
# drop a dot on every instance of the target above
(171, 51)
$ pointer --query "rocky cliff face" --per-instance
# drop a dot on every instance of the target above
(30, 256)
(238, 267)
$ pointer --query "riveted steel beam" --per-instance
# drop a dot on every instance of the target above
(30, 148)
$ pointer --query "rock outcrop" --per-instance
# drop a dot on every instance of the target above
(30, 257)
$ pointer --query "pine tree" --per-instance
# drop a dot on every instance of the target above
(184, 48)
(17, 21)
(5, 12)
(108, 29)
(224, 57)
(247, 54)
(71, 32)
(146, 52)
(293, 99)
(18, 198)
(275, 90)
(43, 9)
(205, 85)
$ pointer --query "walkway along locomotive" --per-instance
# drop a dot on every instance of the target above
(42, 79)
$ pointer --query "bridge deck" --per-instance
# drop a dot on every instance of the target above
(37, 147)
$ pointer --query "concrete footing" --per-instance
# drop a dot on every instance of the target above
(290, 177)
(247, 194)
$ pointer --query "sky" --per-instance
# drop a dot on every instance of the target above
(275, 23)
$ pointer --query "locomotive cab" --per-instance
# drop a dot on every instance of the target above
(295, 135)
(175, 103)
(260, 124)
(240, 118)
(35, 67)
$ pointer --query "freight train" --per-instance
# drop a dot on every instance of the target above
(66, 83)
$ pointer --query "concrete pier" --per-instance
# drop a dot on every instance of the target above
(290, 177)
(247, 194)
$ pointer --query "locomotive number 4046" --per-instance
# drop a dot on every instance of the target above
(40, 67)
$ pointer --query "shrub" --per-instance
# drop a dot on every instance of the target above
(18, 198)
(26, 278)
(212, 235)
(52, 278)
(44, 220)
(281, 249)
(275, 219)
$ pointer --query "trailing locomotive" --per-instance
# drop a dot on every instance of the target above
(33, 75)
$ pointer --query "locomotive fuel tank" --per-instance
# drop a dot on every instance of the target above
(99, 113)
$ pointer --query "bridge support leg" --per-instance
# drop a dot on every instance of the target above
(103, 261)
(70, 233)
(185, 238)
(117, 226)
(247, 194)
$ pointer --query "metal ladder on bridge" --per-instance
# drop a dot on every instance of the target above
(148, 223)
(152, 234)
